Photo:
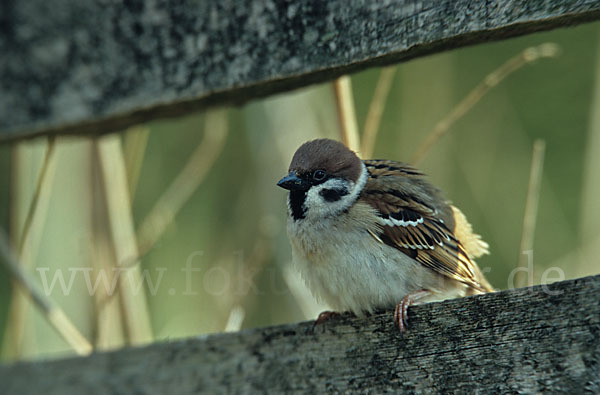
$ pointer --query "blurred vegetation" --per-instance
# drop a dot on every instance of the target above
(231, 231)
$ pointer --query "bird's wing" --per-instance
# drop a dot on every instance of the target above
(412, 223)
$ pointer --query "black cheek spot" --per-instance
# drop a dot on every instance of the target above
(333, 195)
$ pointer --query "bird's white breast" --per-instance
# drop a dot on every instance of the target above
(349, 269)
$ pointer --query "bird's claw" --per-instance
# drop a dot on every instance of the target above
(401, 311)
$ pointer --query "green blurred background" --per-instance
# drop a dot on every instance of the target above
(231, 231)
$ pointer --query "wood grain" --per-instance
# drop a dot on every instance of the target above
(529, 340)
(96, 66)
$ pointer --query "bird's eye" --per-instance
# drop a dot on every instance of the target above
(319, 175)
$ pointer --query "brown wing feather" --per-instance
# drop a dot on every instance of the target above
(414, 219)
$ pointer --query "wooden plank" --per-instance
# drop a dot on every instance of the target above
(91, 66)
(542, 339)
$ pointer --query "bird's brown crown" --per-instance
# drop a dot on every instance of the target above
(329, 155)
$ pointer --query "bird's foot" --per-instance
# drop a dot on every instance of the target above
(325, 316)
(401, 311)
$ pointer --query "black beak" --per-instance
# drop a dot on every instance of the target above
(292, 182)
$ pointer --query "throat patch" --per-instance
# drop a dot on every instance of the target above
(333, 195)
(297, 199)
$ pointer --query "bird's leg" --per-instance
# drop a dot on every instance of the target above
(325, 316)
(401, 311)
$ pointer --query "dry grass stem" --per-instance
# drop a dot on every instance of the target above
(27, 244)
(590, 215)
(54, 314)
(41, 180)
(134, 148)
(527, 56)
(346, 113)
(531, 208)
(186, 182)
(131, 290)
(109, 331)
(235, 319)
(247, 271)
(371, 128)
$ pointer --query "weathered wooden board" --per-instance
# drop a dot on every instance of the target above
(544, 339)
(95, 66)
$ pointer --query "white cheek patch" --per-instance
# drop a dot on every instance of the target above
(317, 205)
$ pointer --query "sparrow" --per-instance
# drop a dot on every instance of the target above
(374, 234)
